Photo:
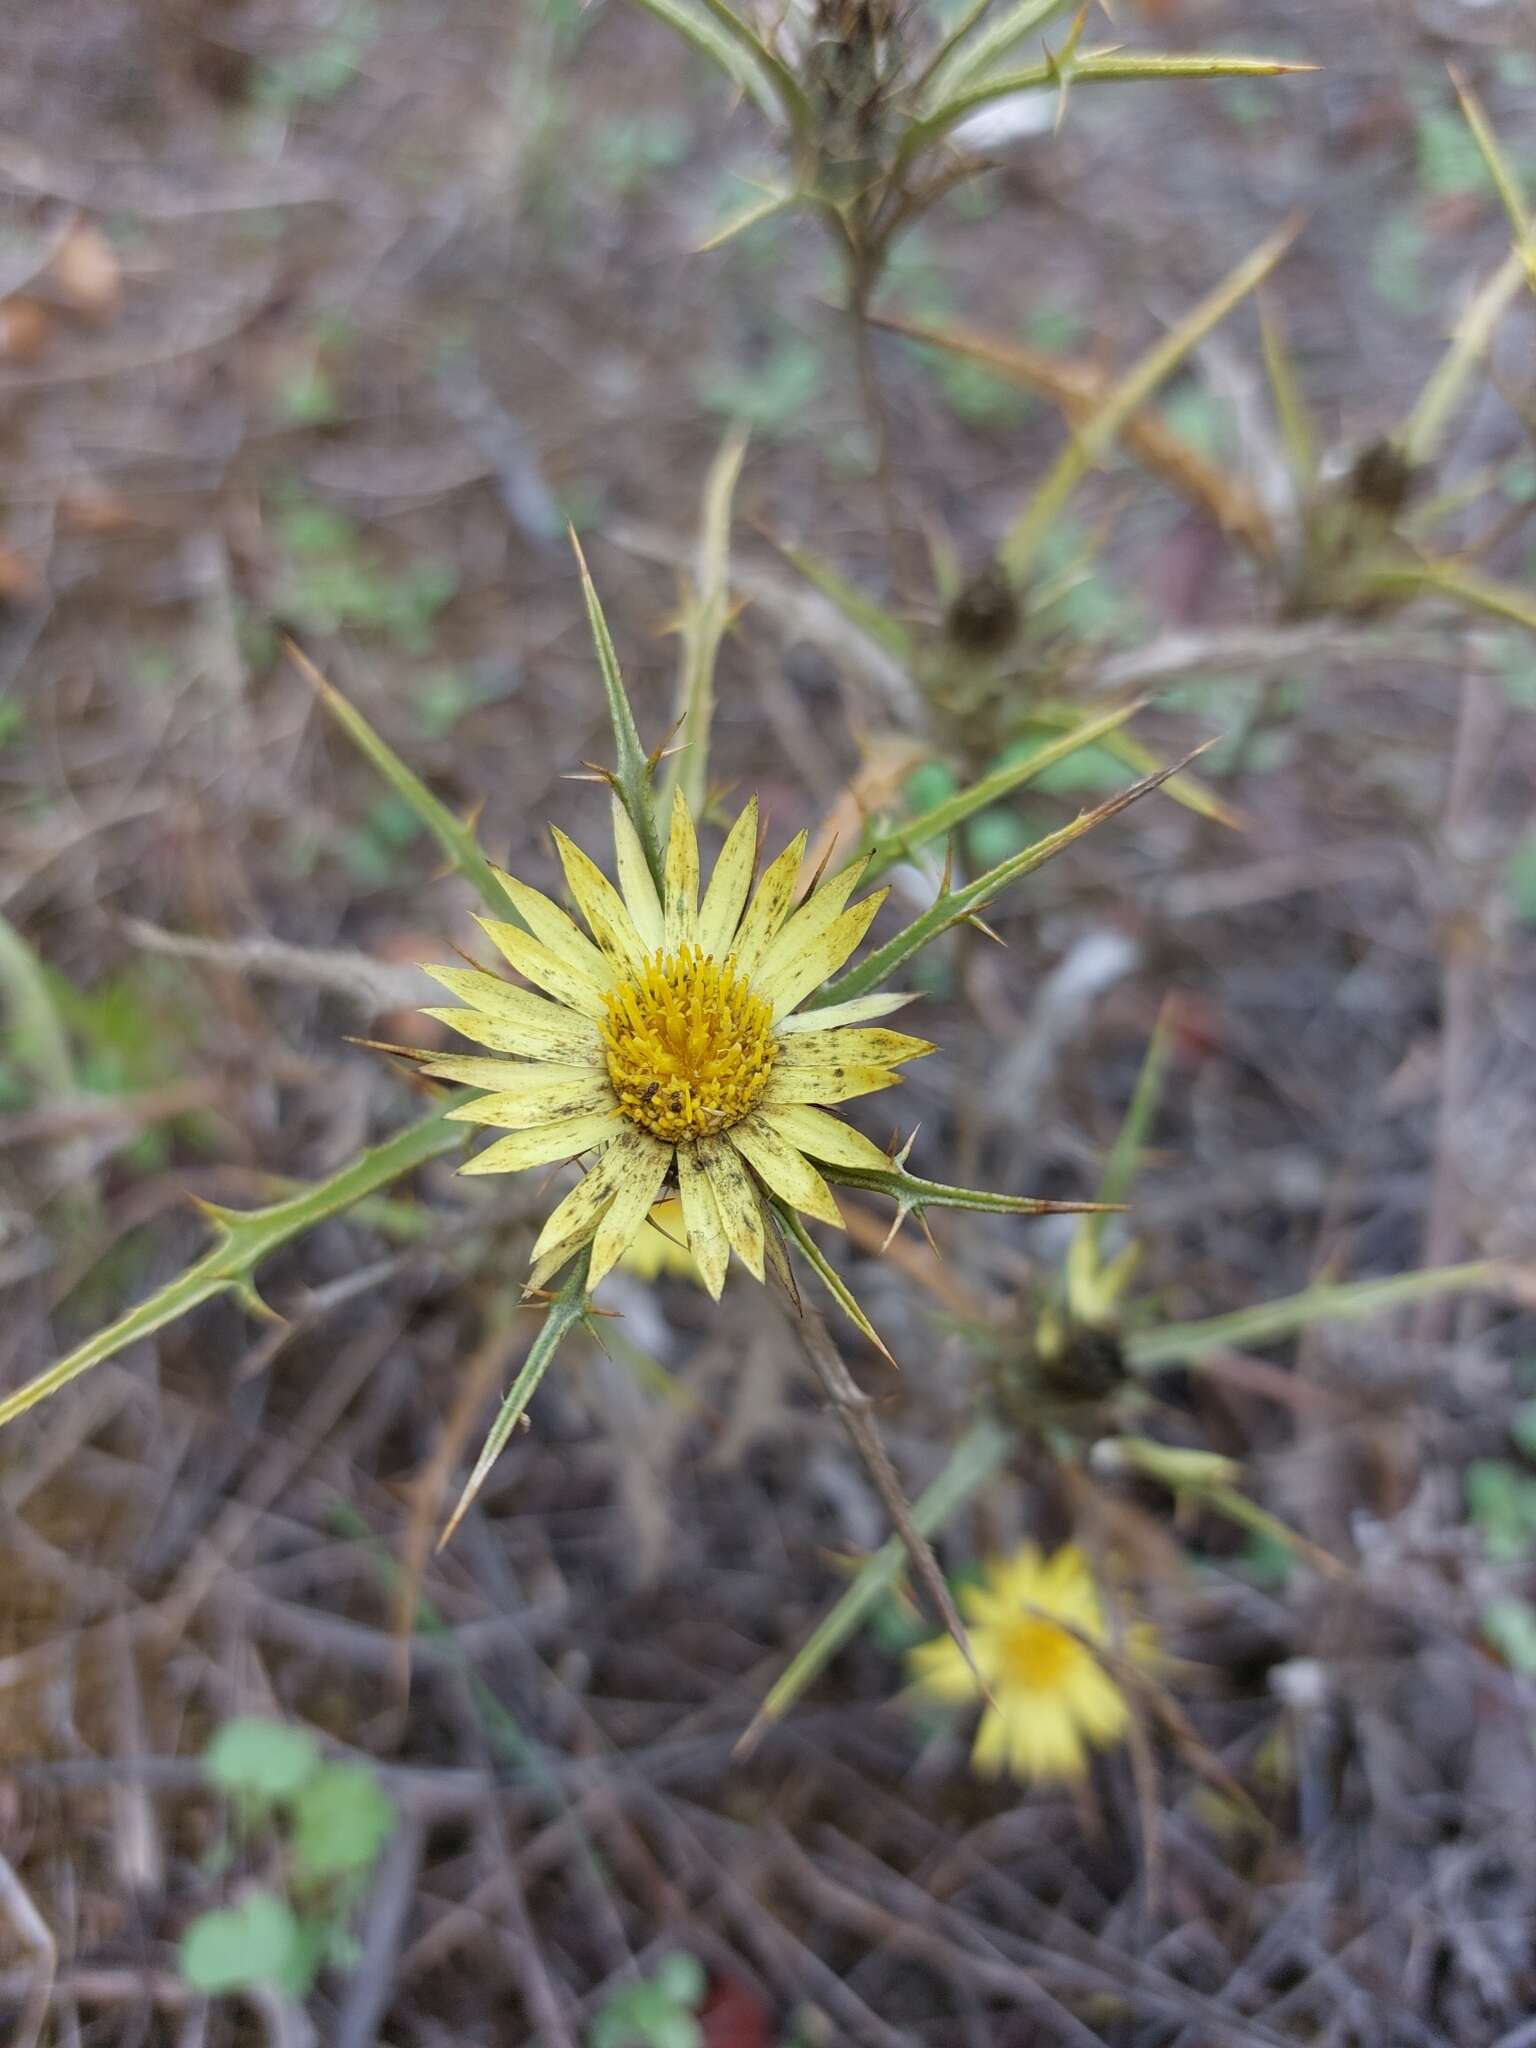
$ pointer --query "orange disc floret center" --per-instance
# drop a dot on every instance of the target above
(689, 1046)
(1035, 1655)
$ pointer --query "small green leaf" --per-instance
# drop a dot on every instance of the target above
(342, 1819)
(1522, 1428)
(997, 835)
(1510, 1625)
(680, 1977)
(253, 1943)
(261, 1759)
(1520, 878)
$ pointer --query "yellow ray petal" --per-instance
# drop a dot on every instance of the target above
(989, 1756)
(601, 905)
(1044, 1746)
(808, 923)
(941, 1671)
(545, 1144)
(825, 1137)
(766, 911)
(978, 1605)
(500, 1077)
(1017, 1579)
(741, 1218)
(536, 1016)
(1098, 1705)
(701, 1219)
(680, 922)
(720, 912)
(539, 1095)
(577, 1041)
(826, 1084)
(554, 930)
(836, 1048)
(821, 957)
(855, 1011)
(572, 1222)
(787, 1172)
(637, 1164)
(552, 972)
(635, 879)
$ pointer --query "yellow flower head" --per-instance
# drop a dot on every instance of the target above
(665, 1044)
(1051, 1695)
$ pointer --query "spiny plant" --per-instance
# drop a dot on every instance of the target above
(872, 103)
(1065, 1389)
(869, 101)
(1346, 533)
(696, 1040)
(666, 1049)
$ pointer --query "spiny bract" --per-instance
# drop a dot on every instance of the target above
(666, 1044)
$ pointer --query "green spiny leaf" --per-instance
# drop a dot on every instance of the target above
(861, 611)
(244, 1240)
(1429, 574)
(972, 1462)
(1501, 170)
(1179, 1344)
(1096, 432)
(1090, 67)
(829, 1276)
(566, 1309)
(1125, 1154)
(1187, 790)
(954, 906)
(632, 776)
(786, 88)
(914, 1193)
(1293, 415)
(720, 49)
(958, 67)
(705, 617)
(1420, 434)
(749, 216)
(455, 837)
(942, 818)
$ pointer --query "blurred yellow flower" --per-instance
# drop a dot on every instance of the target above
(1051, 1697)
(666, 1045)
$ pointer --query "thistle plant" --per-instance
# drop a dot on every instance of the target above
(1066, 1391)
(690, 1049)
(870, 102)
